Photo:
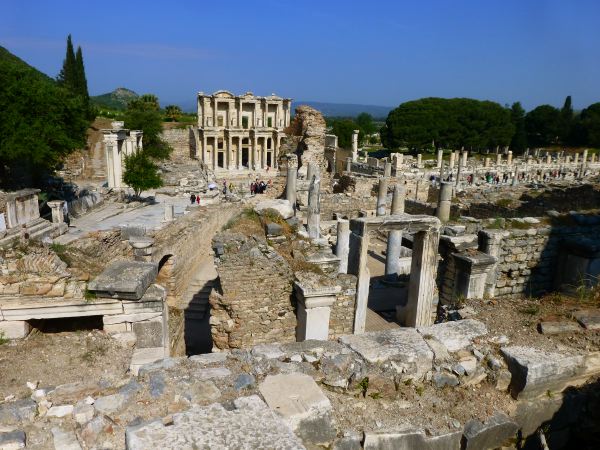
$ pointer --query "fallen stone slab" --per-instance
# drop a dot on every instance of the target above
(126, 280)
(19, 411)
(12, 440)
(209, 358)
(536, 372)
(110, 404)
(211, 372)
(267, 351)
(65, 439)
(456, 335)
(143, 356)
(251, 425)
(561, 327)
(14, 329)
(60, 411)
(590, 320)
(302, 405)
(280, 206)
(411, 440)
(492, 433)
(404, 349)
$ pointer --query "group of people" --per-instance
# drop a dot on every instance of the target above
(195, 199)
(259, 187)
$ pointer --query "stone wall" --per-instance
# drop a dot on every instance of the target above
(341, 320)
(182, 141)
(180, 246)
(256, 303)
(529, 258)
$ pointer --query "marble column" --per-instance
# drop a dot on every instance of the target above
(394, 241)
(440, 157)
(419, 160)
(509, 157)
(442, 211)
(419, 308)
(382, 196)
(451, 163)
(499, 159)
(464, 158)
(355, 145)
(314, 209)
(387, 169)
(486, 162)
(342, 247)
(169, 213)
(548, 158)
(292, 173)
(576, 159)
(349, 165)
(311, 171)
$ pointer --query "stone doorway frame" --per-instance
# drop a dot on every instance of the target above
(424, 263)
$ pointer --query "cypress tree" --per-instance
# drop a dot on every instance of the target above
(82, 88)
(68, 74)
(566, 121)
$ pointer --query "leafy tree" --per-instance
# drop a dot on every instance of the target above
(450, 123)
(343, 129)
(589, 120)
(173, 112)
(517, 117)
(543, 125)
(141, 173)
(143, 113)
(40, 123)
(365, 123)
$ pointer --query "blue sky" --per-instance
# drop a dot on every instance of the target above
(370, 52)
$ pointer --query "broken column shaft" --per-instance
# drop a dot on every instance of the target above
(382, 196)
(394, 242)
(444, 202)
(342, 247)
(313, 220)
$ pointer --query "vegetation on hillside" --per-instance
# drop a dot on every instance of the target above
(116, 100)
(41, 120)
(344, 127)
(433, 123)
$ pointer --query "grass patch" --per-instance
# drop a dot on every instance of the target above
(89, 296)
(504, 202)
(3, 339)
(61, 251)
(530, 310)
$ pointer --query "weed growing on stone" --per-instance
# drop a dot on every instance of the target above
(3, 340)
(89, 296)
(61, 252)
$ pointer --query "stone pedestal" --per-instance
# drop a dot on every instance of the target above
(169, 213)
(22, 207)
(314, 309)
(442, 211)
(382, 196)
(342, 247)
(57, 210)
(471, 274)
(14, 329)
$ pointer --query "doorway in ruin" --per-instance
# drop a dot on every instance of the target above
(365, 256)
(269, 159)
(221, 160)
(245, 153)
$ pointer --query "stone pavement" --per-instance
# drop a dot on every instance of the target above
(113, 215)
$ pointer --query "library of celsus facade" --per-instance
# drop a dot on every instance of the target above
(240, 132)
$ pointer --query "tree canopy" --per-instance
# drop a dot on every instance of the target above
(543, 126)
(448, 123)
(40, 123)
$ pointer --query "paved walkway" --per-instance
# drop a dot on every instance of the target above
(113, 215)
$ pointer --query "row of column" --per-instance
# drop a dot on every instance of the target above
(260, 114)
(257, 157)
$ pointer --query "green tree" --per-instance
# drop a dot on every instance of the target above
(543, 126)
(68, 74)
(589, 120)
(141, 173)
(343, 129)
(173, 112)
(517, 117)
(365, 123)
(40, 123)
(143, 113)
(566, 121)
(450, 123)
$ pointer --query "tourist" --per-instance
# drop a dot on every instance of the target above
(252, 188)
(225, 187)
(192, 199)
(198, 199)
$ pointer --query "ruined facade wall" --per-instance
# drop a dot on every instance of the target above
(256, 303)
(182, 141)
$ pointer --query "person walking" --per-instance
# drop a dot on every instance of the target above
(198, 199)
(192, 199)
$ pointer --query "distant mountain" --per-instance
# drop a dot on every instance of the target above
(7, 59)
(347, 109)
(116, 99)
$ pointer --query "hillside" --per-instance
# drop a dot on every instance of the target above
(7, 59)
(116, 99)
(347, 109)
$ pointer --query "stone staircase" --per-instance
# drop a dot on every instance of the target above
(37, 230)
